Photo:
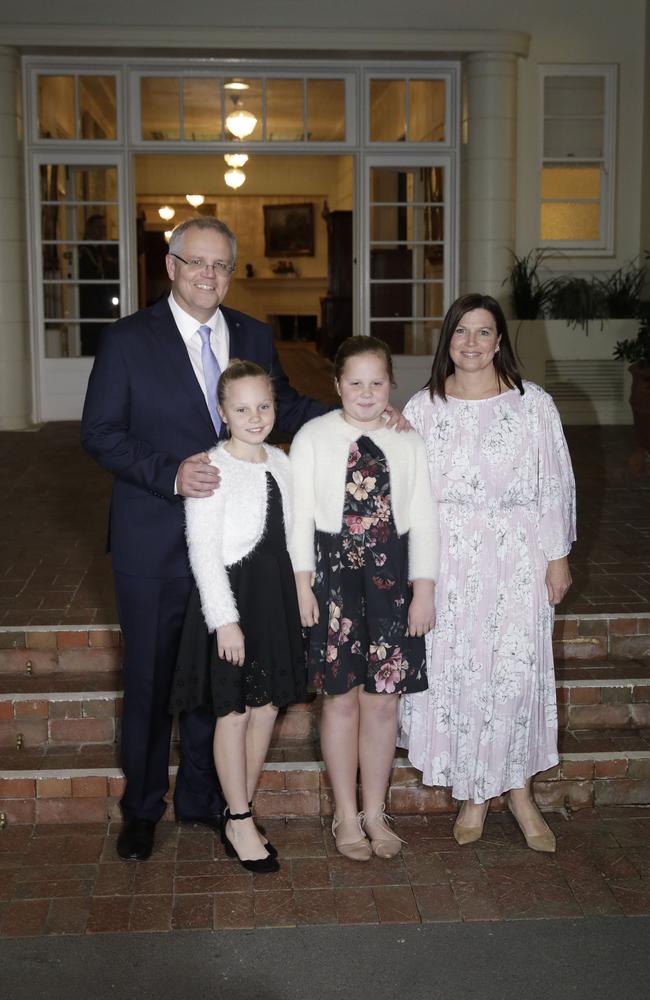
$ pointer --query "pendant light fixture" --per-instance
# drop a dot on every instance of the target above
(234, 177)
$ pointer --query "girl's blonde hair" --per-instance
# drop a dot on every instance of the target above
(241, 369)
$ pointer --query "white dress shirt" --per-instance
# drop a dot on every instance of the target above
(188, 327)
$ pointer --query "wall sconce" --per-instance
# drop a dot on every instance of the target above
(236, 159)
(195, 200)
(240, 122)
(167, 213)
(168, 235)
(234, 177)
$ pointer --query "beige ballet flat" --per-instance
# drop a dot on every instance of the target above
(387, 846)
(545, 842)
(355, 850)
(469, 834)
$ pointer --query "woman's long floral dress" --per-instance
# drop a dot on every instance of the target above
(363, 591)
(501, 471)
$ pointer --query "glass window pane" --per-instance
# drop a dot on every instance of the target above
(571, 182)
(160, 108)
(420, 184)
(285, 110)
(62, 340)
(574, 95)
(201, 109)
(97, 104)
(72, 301)
(427, 111)
(570, 222)
(577, 138)
(403, 222)
(94, 183)
(80, 222)
(326, 110)
(246, 98)
(60, 182)
(56, 107)
(387, 110)
(71, 261)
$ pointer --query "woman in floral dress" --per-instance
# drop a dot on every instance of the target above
(501, 472)
(364, 527)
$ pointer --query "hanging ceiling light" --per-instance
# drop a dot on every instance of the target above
(236, 159)
(234, 177)
(167, 213)
(236, 85)
(195, 200)
(240, 122)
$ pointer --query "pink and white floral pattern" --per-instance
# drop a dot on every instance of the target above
(500, 469)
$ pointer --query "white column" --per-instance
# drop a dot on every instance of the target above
(15, 371)
(488, 172)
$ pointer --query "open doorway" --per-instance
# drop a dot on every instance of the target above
(293, 221)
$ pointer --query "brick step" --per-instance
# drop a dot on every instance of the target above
(46, 717)
(59, 709)
(76, 649)
(83, 784)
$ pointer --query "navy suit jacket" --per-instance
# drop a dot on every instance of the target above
(145, 412)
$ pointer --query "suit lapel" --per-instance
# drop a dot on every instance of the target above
(168, 336)
(235, 334)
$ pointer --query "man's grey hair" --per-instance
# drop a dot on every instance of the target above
(203, 222)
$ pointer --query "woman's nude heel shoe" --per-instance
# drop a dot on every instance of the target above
(544, 842)
(469, 834)
(390, 844)
(357, 850)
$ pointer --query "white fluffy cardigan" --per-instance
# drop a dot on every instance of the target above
(225, 527)
(319, 456)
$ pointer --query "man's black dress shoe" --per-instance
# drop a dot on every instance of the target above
(135, 841)
(212, 822)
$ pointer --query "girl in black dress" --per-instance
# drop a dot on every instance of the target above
(364, 547)
(241, 651)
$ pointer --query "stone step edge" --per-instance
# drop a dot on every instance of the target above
(586, 616)
(40, 695)
(307, 765)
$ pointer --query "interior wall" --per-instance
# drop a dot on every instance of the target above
(270, 180)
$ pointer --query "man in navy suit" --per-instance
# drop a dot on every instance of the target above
(146, 420)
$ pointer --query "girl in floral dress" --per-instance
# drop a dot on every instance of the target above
(365, 535)
(501, 471)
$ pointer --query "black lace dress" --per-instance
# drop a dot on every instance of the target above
(363, 591)
(264, 589)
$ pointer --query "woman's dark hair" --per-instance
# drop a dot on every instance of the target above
(504, 361)
(353, 346)
(241, 369)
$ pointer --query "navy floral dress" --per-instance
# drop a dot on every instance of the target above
(361, 585)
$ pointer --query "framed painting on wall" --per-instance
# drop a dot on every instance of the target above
(289, 230)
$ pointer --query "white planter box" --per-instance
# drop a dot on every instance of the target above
(577, 368)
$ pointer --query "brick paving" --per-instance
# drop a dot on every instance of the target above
(68, 880)
(54, 499)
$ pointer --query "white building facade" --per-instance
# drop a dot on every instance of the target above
(456, 136)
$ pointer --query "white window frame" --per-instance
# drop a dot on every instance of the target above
(64, 68)
(450, 78)
(61, 376)
(409, 156)
(603, 247)
(183, 70)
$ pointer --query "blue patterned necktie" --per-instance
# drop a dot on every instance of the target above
(211, 374)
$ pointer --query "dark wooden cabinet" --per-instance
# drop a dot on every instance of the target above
(336, 307)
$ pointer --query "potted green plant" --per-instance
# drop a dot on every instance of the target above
(636, 352)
